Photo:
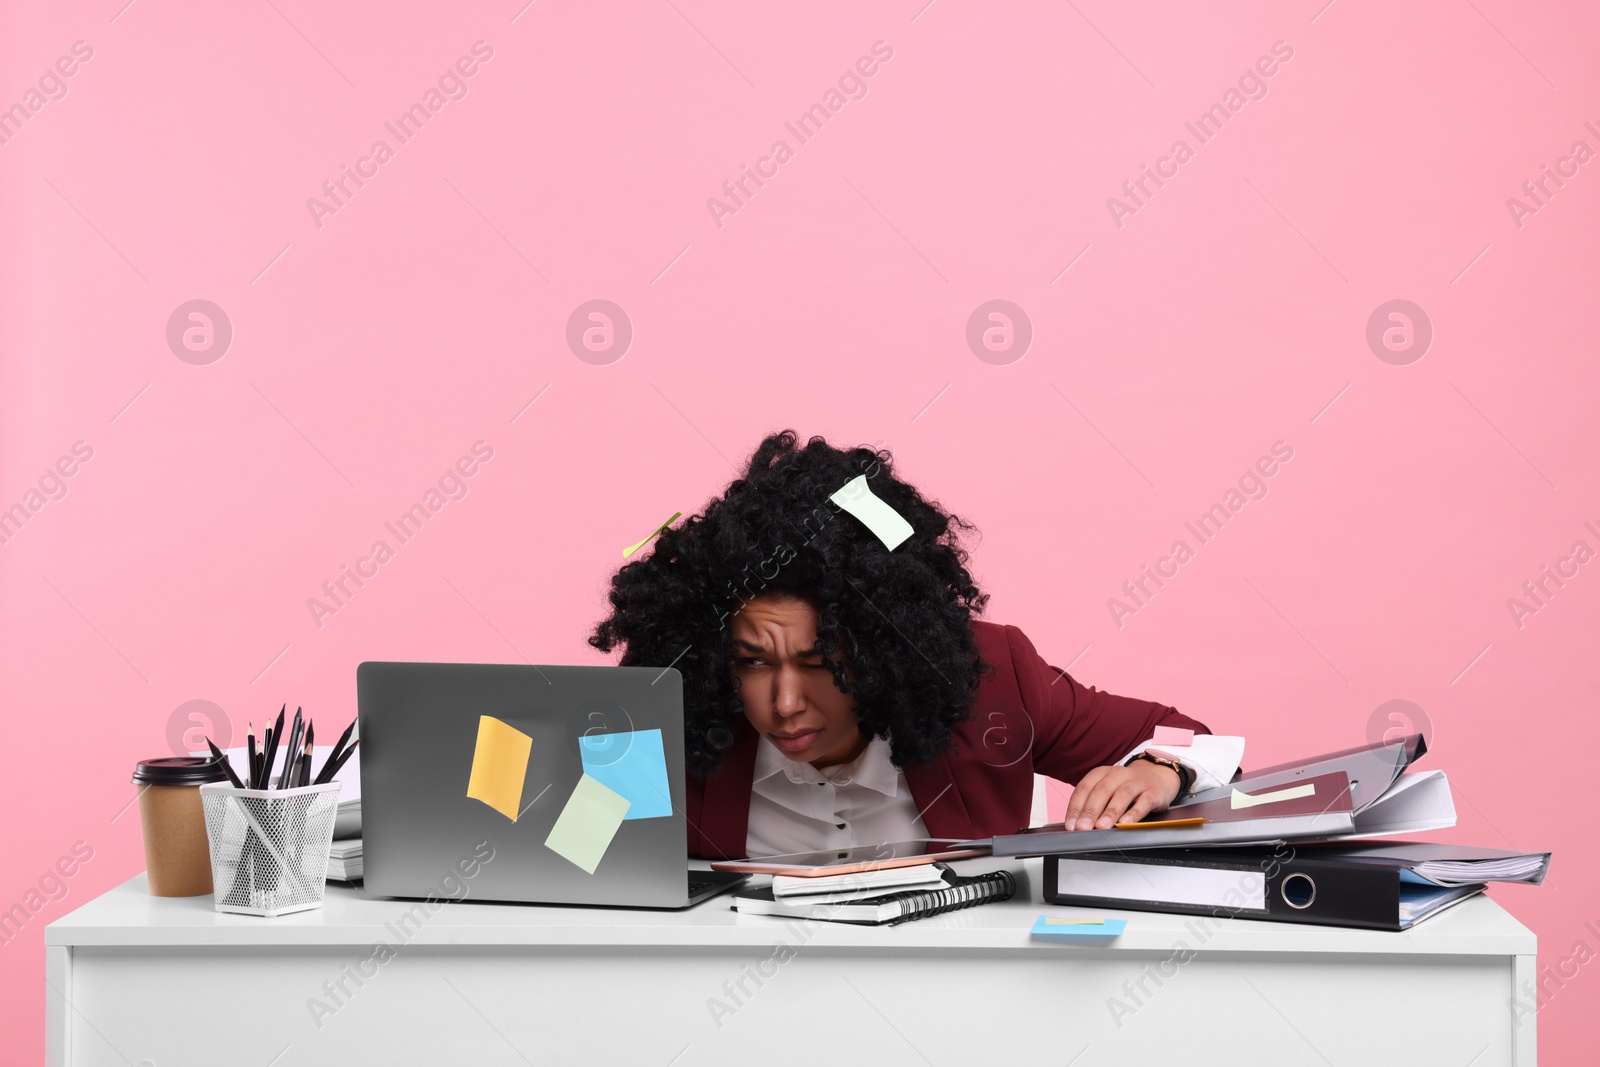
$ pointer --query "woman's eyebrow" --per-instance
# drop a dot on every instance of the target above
(808, 653)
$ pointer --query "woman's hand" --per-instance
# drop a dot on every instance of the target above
(1109, 795)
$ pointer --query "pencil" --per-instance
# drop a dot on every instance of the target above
(332, 766)
(286, 778)
(344, 738)
(274, 739)
(250, 748)
(227, 768)
(336, 755)
(304, 777)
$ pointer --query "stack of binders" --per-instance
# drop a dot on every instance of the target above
(1286, 844)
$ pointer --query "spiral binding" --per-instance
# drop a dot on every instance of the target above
(982, 889)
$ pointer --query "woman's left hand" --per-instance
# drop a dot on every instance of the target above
(1109, 795)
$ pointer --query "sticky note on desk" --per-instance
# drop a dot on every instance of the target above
(585, 827)
(499, 765)
(857, 497)
(1077, 931)
(1172, 736)
(1251, 800)
(633, 765)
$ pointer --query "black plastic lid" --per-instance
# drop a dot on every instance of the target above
(178, 770)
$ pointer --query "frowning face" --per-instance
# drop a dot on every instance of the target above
(789, 696)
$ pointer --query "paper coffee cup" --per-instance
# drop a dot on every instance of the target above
(175, 850)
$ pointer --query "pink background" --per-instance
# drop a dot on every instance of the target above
(1228, 313)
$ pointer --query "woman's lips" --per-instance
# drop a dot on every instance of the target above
(795, 742)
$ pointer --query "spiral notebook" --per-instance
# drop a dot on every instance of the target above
(890, 909)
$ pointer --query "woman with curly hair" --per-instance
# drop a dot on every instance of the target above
(839, 691)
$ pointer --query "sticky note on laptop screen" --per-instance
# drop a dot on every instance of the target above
(585, 827)
(631, 764)
(499, 765)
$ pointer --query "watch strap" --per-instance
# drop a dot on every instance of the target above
(1185, 774)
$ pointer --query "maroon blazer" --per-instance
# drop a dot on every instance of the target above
(1028, 717)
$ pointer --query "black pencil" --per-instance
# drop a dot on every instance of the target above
(274, 739)
(250, 750)
(286, 778)
(344, 739)
(332, 766)
(227, 767)
(304, 775)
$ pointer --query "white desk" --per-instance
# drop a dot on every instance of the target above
(135, 980)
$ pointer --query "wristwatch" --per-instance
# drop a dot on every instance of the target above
(1185, 775)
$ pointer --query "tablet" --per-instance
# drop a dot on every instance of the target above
(856, 860)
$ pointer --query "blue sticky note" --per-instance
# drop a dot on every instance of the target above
(1077, 932)
(633, 765)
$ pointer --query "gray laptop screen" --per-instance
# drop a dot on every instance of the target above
(572, 776)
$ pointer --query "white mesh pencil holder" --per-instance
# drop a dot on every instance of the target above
(269, 847)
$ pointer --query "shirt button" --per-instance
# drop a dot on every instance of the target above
(840, 825)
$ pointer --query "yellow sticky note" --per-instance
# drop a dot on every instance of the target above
(585, 827)
(1294, 792)
(499, 765)
(1074, 922)
(631, 549)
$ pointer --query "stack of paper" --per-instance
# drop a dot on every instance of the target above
(883, 896)
(1446, 865)
(344, 860)
(1418, 902)
(832, 889)
(836, 894)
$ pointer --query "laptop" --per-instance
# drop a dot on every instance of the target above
(462, 761)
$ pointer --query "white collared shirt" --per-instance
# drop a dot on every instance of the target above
(796, 808)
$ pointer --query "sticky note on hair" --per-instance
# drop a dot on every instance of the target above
(1172, 736)
(585, 827)
(499, 765)
(857, 497)
(1251, 800)
(631, 549)
(631, 764)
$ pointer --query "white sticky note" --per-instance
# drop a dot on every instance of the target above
(857, 497)
(1294, 792)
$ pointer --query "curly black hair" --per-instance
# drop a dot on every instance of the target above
(900, 619)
